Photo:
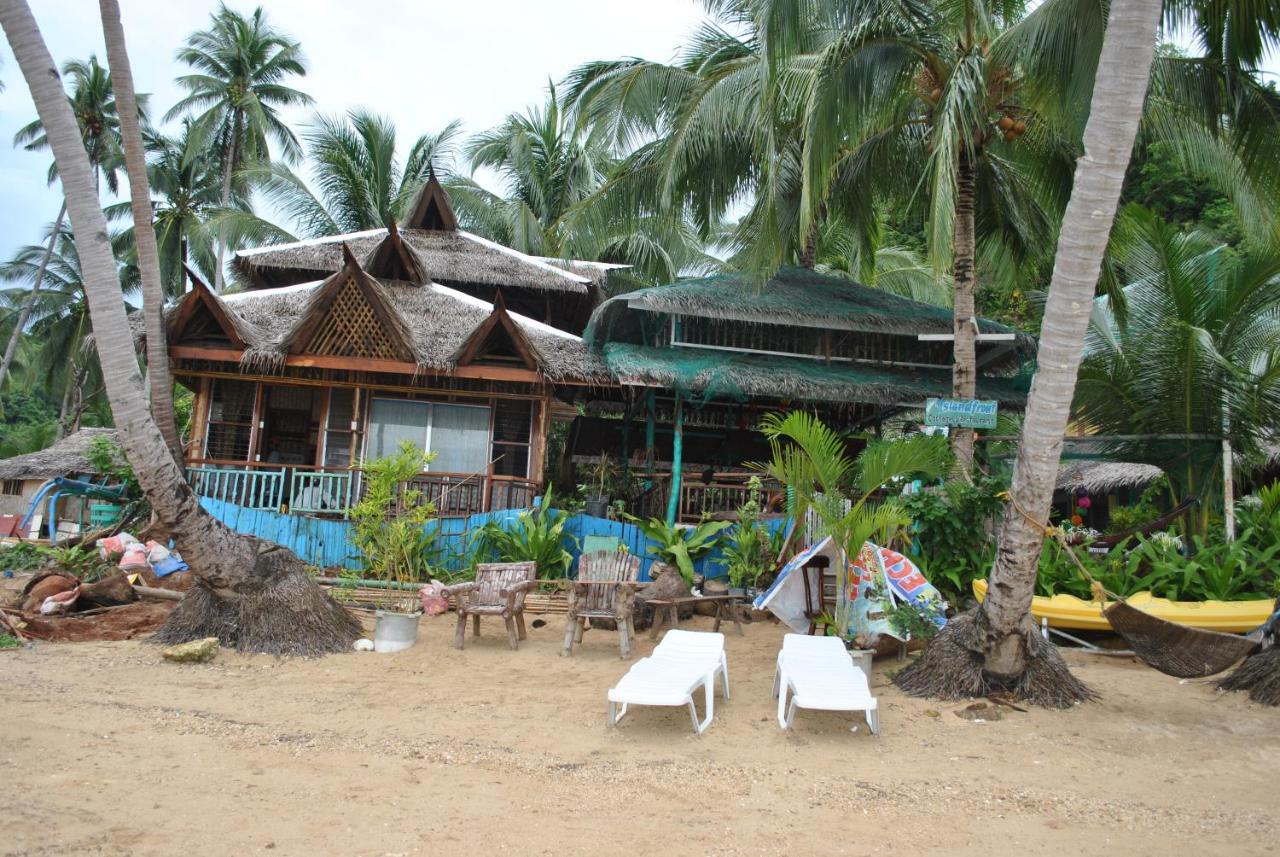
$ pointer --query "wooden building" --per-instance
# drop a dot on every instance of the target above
(698, 364)
(339, 349)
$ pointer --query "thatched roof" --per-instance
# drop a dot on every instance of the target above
(1102, 477)
(795, 297)
(454, 257)
(736, 376)
(435, 320)
(67, 456)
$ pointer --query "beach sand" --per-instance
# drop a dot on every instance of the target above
(107, 750)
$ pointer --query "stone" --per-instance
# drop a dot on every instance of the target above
(194, 652)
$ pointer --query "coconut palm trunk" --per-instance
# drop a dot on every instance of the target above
(25, 315)
(228, 166)
(964, 370)
(997, 645)
(159, 379)
(253, 596)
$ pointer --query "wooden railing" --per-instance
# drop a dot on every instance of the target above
(311, 490)
(719, 498)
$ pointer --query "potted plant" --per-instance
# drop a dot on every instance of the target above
(749, 553)
(602, 473)
(681, 546)
(389, 530)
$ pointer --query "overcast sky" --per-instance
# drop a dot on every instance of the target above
(421, 62)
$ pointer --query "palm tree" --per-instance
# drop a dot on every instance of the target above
(810, 458)
(239, 86)
(160, 381)
(94, 104)
(557, 201)
(997, 645)
(244, 589)
(1197, 351)
(187, 185)
(58, 321)
(361, 182)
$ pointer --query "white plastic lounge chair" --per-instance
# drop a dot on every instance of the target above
(817, 673)
(683, 662)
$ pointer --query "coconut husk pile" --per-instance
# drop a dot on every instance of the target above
(105, 609)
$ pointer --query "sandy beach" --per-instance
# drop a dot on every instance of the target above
(107, 750)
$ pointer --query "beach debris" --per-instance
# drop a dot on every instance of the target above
(979, 712)
(194, 652)
(434, 600)
(1005, 698)
(44, 585)
(62, 602)
(364, 644)
(108, 592)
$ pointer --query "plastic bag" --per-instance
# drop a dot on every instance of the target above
(134, 558)
(113, 546)
(434, 599)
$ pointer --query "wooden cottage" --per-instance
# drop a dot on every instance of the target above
(339, 349)
(699, 362)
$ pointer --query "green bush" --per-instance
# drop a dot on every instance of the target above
(1212, 570)
(749, 553)
(949, 537)
(538, 536)
(389, 523)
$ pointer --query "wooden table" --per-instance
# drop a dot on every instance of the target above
(672, 606)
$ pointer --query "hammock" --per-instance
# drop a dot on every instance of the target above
(1173, 649)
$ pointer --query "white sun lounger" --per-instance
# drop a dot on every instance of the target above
(817, 673)
(683, 662)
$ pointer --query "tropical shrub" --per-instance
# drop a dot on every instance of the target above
(1236, 570)
(389, 523)
(681, 546)
(749, 553)
(537, 536)
(949, 537)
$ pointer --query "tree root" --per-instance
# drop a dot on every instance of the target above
(952, 668)
(1260, 675)
(279, 610)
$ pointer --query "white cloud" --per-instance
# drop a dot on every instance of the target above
(421, 63)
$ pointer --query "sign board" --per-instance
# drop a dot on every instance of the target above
(963, 413)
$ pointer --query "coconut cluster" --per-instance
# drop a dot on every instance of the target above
(1012, 128)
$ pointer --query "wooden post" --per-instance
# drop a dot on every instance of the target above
(199, 420)
(677, 450)
(649, 434)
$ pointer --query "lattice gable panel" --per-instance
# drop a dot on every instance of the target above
(351, 329)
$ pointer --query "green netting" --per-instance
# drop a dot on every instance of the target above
(794, 296)
(701, 377)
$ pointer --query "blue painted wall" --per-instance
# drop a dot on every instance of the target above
(324, 542)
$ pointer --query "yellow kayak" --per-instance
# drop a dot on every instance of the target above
(1067, 611)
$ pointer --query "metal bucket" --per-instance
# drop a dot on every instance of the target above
(395, 632)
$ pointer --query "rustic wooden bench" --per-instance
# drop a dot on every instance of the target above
(671, 606)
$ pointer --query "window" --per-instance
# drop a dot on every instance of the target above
(230, 420)
(11, 486)
(512, 420)
(341, 428)
(458, 434)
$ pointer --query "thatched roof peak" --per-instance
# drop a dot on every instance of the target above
(449, 256)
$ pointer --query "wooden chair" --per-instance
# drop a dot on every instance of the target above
(816, 571)
(605, 589)
(498, 590)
